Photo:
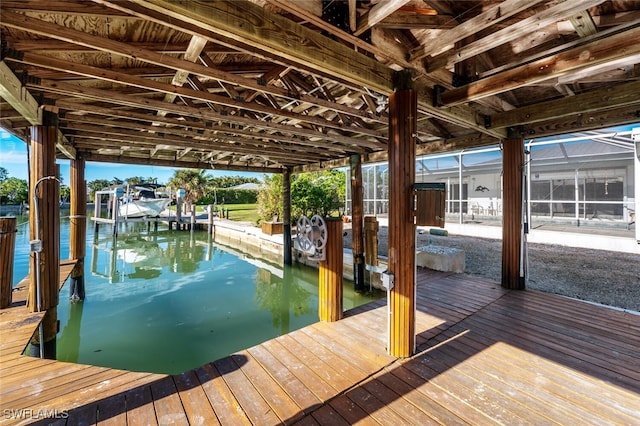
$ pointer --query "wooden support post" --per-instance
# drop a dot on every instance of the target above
(179, 201)
(44, 226)
(357, 208)
(513, 274)
(193, 218)
(371, 240)
(7, 250)
(78, 227)
(114, 214)
(402, 246)
(210, 219)
(330, 274)
(286, 216)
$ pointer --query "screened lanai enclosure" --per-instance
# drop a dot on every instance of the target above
(574, 178)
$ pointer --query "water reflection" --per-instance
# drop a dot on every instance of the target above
(169, 301)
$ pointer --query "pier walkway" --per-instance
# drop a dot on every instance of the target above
(485, 356)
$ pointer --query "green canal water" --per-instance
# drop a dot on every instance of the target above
(171, 301)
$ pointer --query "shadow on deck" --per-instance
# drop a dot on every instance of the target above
(485, 356)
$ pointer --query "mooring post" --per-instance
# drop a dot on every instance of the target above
(209, 219)
(286, 216)
(193, 217)
(179, 199)
(114, 215)
(7, 250)
(330, 273)
(78, 227)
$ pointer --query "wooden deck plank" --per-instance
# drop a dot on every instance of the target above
(374, 407)
(351, 412)
(394, 401)
(140, 408)
(304, 365)
(112, 411)
(194, 400)
(224, 403)
(280, 402)
(167, 403)
(292, 385)
(458, 407)
(326, 415)
(256, 408)
(439, 413)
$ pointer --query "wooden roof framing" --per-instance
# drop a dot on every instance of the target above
(264, 85)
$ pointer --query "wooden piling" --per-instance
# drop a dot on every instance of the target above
(286, 216)
(7, 250)
(44, 226)
(357, 208)
(371, 240)
(78, 226)
(513, 276)
(330, 274)
(402, 246)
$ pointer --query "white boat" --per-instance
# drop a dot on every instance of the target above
(145, 203)
(150, 207)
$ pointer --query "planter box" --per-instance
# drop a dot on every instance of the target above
(271, 228)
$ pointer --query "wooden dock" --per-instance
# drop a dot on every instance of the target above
(485, 356)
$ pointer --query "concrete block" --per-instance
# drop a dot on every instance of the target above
(440, 258)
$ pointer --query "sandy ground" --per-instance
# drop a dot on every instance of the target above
(604, 277)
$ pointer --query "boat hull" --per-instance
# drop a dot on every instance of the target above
(144, 208)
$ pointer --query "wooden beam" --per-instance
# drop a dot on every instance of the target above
(583, 121)
(619, 49)
(196, 45)
(524, 27)
(584, 103)
(491, 16)
(177, 164)
(411, 21)
(377, 13)
(12, 91)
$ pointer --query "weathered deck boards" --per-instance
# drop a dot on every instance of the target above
(485, 356)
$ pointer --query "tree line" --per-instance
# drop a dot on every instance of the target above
(311, 193)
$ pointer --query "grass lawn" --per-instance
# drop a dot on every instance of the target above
(237, 212)
(242, 212)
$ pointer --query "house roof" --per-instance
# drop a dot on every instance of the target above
(265, 85)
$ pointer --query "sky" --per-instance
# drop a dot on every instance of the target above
(13, 157)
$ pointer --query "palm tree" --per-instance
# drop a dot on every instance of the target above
(191, 180)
